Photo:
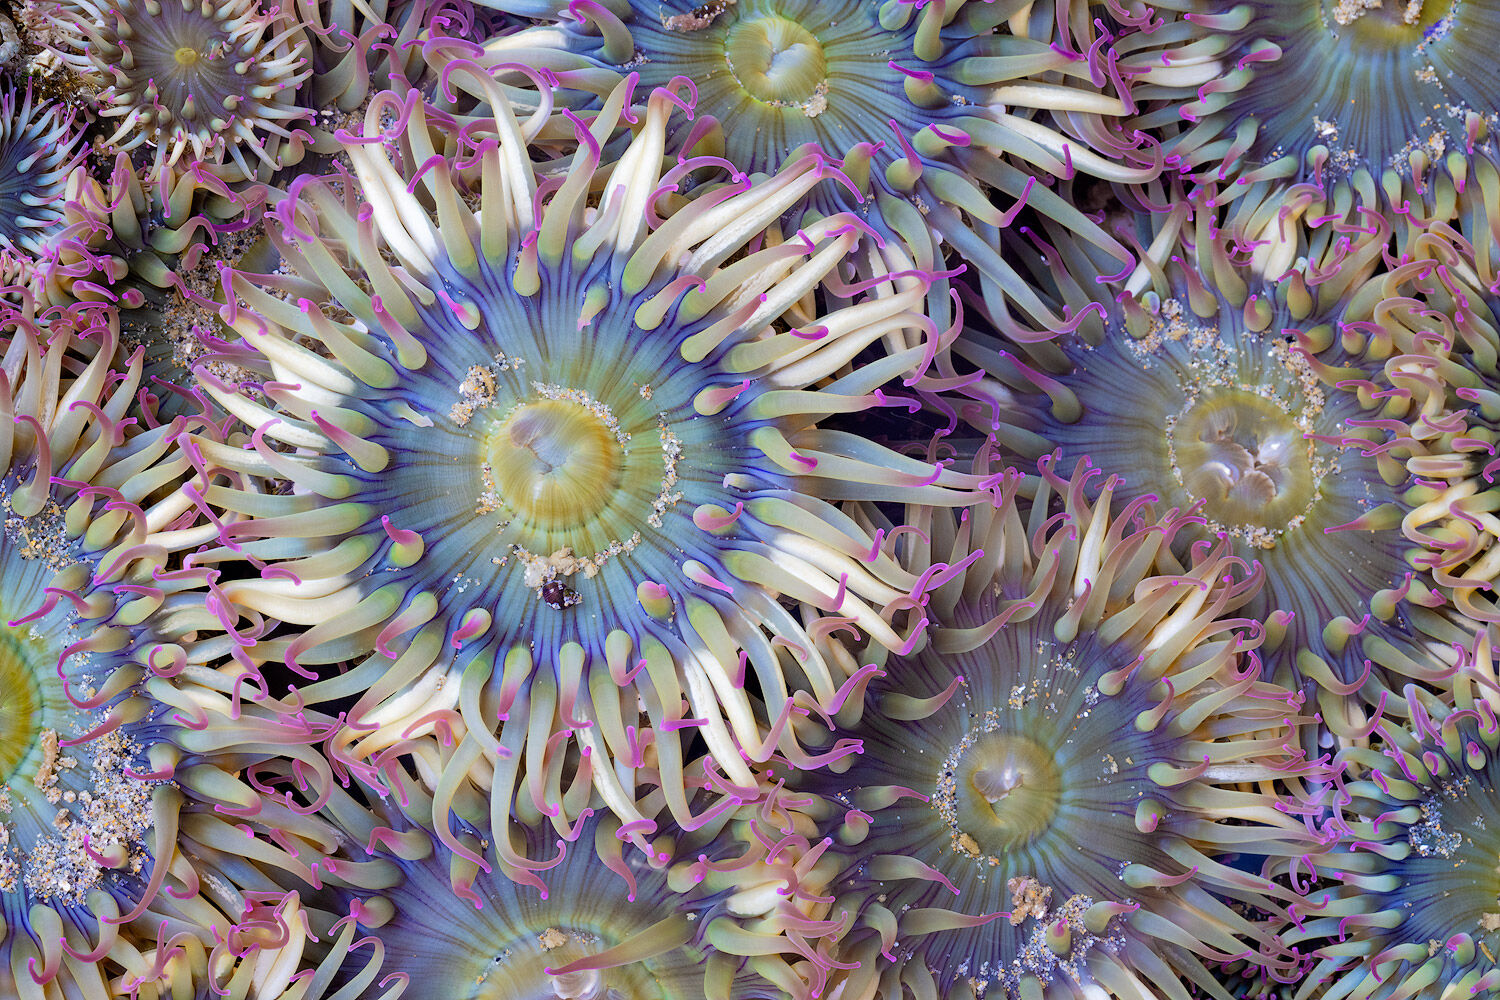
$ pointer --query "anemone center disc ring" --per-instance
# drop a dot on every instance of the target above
(19, 706)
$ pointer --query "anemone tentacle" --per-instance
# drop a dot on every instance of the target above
(360, 49)
(1038, 805)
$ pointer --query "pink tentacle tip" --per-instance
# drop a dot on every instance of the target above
(700, 574)
(917, 633)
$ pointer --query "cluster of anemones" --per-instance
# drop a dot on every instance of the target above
(768, 498)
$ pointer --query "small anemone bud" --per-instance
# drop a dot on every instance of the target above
(158, 65)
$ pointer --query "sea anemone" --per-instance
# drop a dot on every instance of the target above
(1408, 911)
(271, 862)
(209, 84)
(552, 474)
(946, 117)
(97, 510)
(1039, 805)
(389, 903)
(152, 251)
(1353, 96)
(38, 147)
(595, 929)
(1292, 415)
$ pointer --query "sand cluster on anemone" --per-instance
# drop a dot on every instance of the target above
(776, 499)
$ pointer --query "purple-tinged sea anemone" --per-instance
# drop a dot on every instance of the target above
(96, 511)
(152, 250)
(390, 904)
(1408, 909)
(1253, 97)
(601, 926)
(946, 117)
(256, 864)
(550, 465)
(211, 84)
(1051, 793)
(1290, 415)
(38, 147)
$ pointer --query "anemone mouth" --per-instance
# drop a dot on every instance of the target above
(541, 457)
(553, 465)
(1249, 462)
(998, 790)
(1032, 780)
(1233, 424)
(784, 73)
(552, 964)
(778, 62)
(576, 470)
(593, 933)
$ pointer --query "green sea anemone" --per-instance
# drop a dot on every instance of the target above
(38, 147)
(206, 85)
(946, 118)
(97, 511)
(1409, 907)
(1352, 96)
(1292, 416)
(551, 465)
(387, 905)
(1051, 794)
(597, 928)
